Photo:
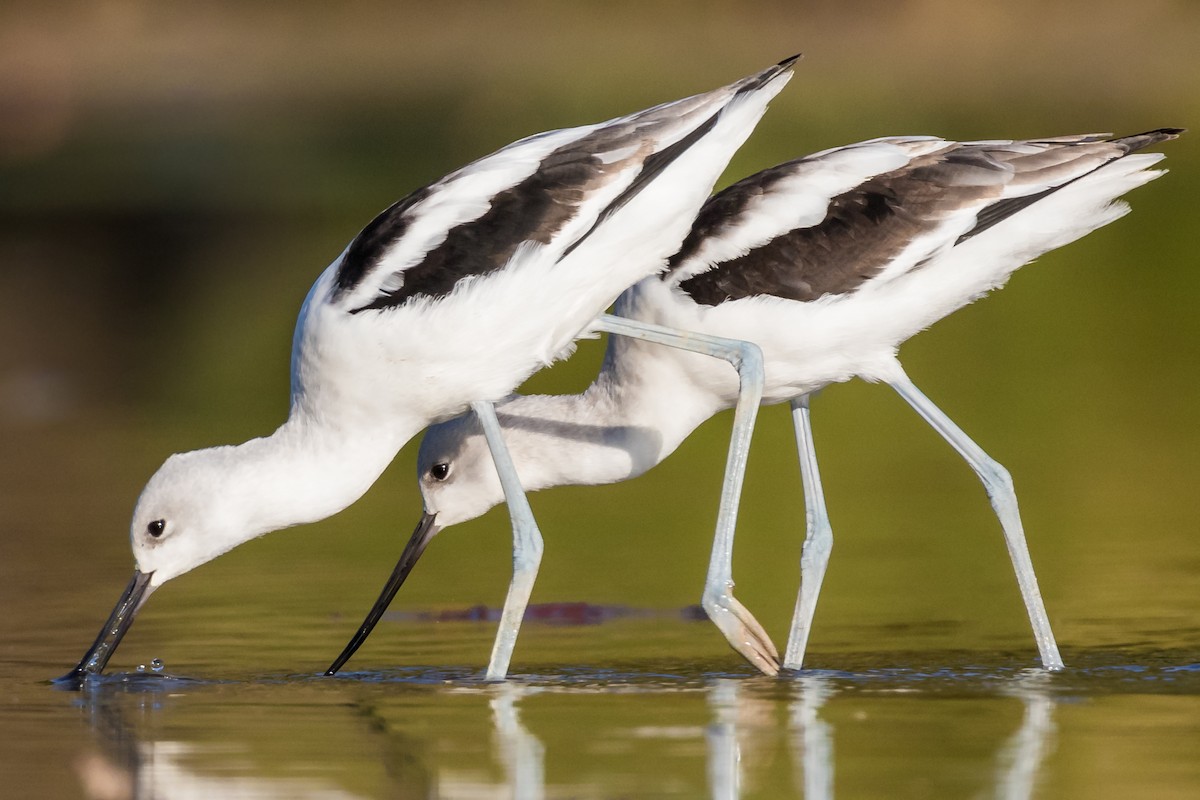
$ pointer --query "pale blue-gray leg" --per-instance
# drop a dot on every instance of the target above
(999, 486)
(527, 544)
(741, 629)
(818, 538)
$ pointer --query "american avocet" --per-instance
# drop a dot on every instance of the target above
(828, 263)
(445, 301)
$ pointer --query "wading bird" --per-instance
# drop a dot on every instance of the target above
(827, 263)
(446, 301)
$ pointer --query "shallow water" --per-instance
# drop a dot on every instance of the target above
(1115, 723)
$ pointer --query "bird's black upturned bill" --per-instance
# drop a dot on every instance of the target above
(97, 656)
(412, 551)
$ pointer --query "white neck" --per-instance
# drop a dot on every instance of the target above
(212, 500)
(306, 471)
(615, 430)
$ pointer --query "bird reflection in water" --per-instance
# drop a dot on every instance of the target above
(522, 753)
(813, 737)
(1018, 761)
(1021, 757)
(748, 724)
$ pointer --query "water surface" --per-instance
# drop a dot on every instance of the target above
(1116, 723)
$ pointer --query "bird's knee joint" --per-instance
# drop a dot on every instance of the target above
(716, 602)
(996, 478)
(750, 357)
(816, 548)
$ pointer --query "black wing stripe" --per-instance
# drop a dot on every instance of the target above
(652, 167)
(369, 246)
(862, 230)
(1001, 210)
(533, 210)
(657, 162)
(867, 227)
(723, 211)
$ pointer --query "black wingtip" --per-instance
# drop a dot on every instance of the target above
(771, 73)
(756, 82)
(1139, 140)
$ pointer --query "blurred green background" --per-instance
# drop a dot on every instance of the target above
(174, 176)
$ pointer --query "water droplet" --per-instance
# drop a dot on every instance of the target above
(156, 665)
(141, 668)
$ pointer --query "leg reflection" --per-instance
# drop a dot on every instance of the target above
(724, 755)
(1020, 759)
(813, 737)
(522, 753)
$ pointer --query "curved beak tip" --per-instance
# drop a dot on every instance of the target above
(421, 536)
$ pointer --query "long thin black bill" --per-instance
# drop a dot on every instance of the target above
(408, 559)
(97, 656)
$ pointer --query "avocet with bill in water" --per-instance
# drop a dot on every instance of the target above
(827, 263)
(446, 301)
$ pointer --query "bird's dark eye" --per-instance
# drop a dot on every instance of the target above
(156, 528)
(440, 471)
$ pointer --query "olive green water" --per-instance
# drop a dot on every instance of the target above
(172, 182)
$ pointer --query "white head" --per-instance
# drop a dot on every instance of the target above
(554, 440)
(456, 473)
(206, 502)
(458, 482)
(193, 509)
